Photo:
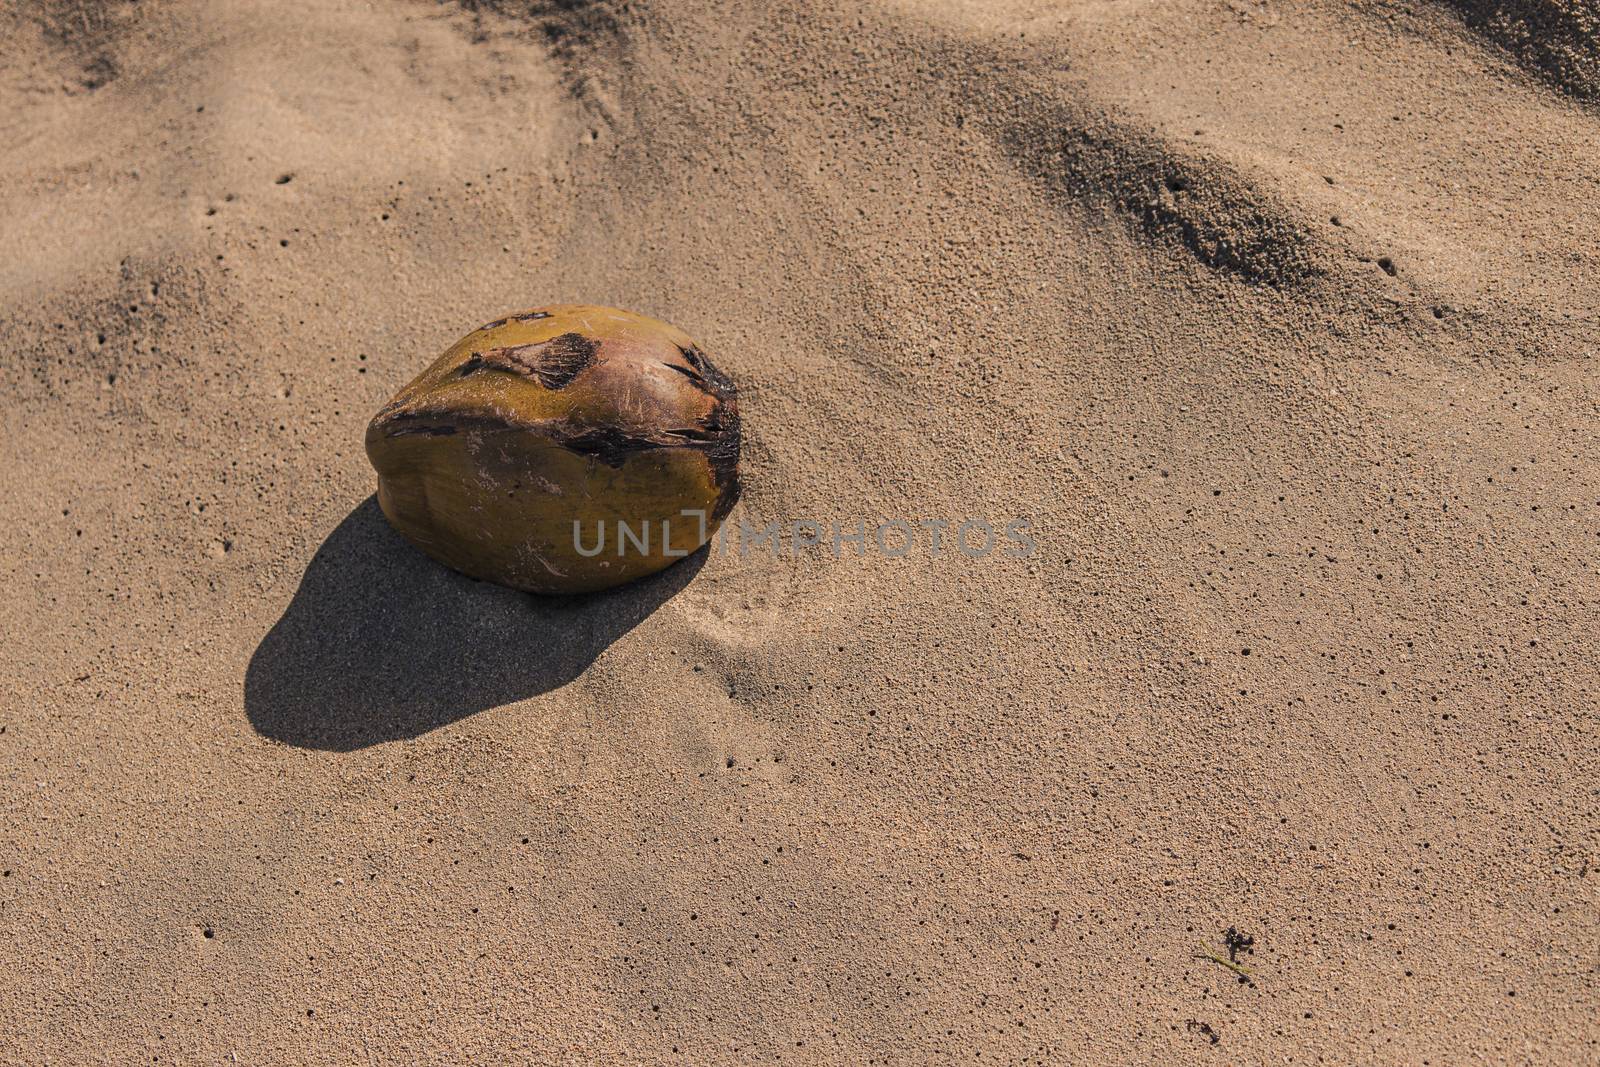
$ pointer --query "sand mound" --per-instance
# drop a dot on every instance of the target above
(1169, 195)
(1560, 39)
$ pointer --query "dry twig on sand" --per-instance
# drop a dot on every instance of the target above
(1206, 952)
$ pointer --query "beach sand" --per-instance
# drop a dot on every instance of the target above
(1275, 321)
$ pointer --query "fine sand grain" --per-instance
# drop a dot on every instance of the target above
(1277, 319)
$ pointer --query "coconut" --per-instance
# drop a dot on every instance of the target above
(561, 450)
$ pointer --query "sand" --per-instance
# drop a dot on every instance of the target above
(1276, 321)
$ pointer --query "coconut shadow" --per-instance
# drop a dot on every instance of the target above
(380, 643)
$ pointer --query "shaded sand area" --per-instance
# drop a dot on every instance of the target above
(1277, 321)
